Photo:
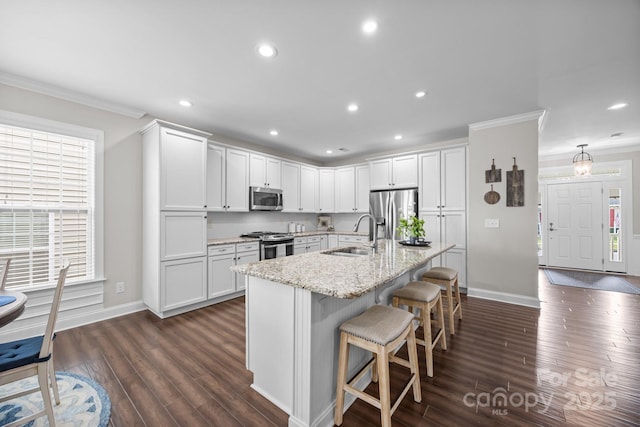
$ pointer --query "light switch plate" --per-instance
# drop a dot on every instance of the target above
(491, 223)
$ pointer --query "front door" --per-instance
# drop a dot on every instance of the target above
(575, 225)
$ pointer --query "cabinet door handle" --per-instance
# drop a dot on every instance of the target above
(205, 217)
(205, 206)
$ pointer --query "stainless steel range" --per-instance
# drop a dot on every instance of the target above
(273, 244)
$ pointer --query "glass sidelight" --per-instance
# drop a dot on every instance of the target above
(615, 225)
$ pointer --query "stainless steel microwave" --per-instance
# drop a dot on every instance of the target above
(265, 199)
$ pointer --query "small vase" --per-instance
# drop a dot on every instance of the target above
(412, 240)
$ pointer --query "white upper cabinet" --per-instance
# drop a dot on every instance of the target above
(299, 188)
(217, 176)
(326, 190)
(345, 189)
(183, 170)
(308, 189)
(352, 189)
(394, 172)
(443, 180)
(429, 195)
(237, 180)
(453, 173)
(290, 187)
(381, 174)
(265, 171)
(228, 186)
(363, 184)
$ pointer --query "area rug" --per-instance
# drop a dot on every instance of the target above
(588, 280)
(83, 402)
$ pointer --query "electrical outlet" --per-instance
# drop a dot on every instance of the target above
(491, 223)
(119, 287)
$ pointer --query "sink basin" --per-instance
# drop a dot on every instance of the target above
(354, 252)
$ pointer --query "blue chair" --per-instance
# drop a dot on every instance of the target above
(34, 356)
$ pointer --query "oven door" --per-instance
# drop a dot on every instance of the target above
(269, 251)
(276, 250)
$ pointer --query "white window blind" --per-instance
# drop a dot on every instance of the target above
(47, 204)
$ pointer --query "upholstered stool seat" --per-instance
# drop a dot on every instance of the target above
(425, 297)
(381, 330)
(449, 278)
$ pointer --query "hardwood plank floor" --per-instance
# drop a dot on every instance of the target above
(573, 362)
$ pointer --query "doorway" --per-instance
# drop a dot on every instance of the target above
(585, 223)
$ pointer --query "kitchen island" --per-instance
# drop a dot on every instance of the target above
(294, 306)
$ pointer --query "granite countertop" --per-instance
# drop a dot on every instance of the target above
(230, 240)
(342, 276)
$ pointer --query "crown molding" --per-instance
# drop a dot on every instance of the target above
(68, 95)
(518, 118)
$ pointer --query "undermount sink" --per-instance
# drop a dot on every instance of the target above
(355, 252)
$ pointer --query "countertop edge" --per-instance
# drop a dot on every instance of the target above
(345, 293)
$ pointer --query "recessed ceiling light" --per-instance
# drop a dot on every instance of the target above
(267, 50)
(352, 107)
(185, 103)
(329, 151)
(420, 94)
(617, 106)
(273, 132)
(617, 134)
(369, 27)
(397, 137)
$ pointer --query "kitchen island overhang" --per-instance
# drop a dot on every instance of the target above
(294, 307)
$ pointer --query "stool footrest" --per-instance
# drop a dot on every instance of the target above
(405, 390)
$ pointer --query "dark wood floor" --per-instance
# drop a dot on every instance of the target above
(573, 362)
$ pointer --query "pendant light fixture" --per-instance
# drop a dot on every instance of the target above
(582, 161)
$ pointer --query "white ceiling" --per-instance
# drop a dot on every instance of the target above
(477, 59)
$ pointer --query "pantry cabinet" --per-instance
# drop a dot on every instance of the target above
(174, 212)
(442, 200)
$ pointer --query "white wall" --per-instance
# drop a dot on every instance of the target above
(503, 262)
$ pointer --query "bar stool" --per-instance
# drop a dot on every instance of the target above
(380, 329)
(449, 278)
(424, 296)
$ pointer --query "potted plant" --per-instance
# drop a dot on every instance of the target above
(413, 227)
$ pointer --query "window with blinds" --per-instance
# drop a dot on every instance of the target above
(47, 202)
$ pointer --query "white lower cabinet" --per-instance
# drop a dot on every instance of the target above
(351, 240)
(183, 282)
(303, 245)
(332, 241)
(222, 281)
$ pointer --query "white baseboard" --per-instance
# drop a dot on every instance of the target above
(82, 316)
(524, 300)
(100, 315)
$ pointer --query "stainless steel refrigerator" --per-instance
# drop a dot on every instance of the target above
(388, 207)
